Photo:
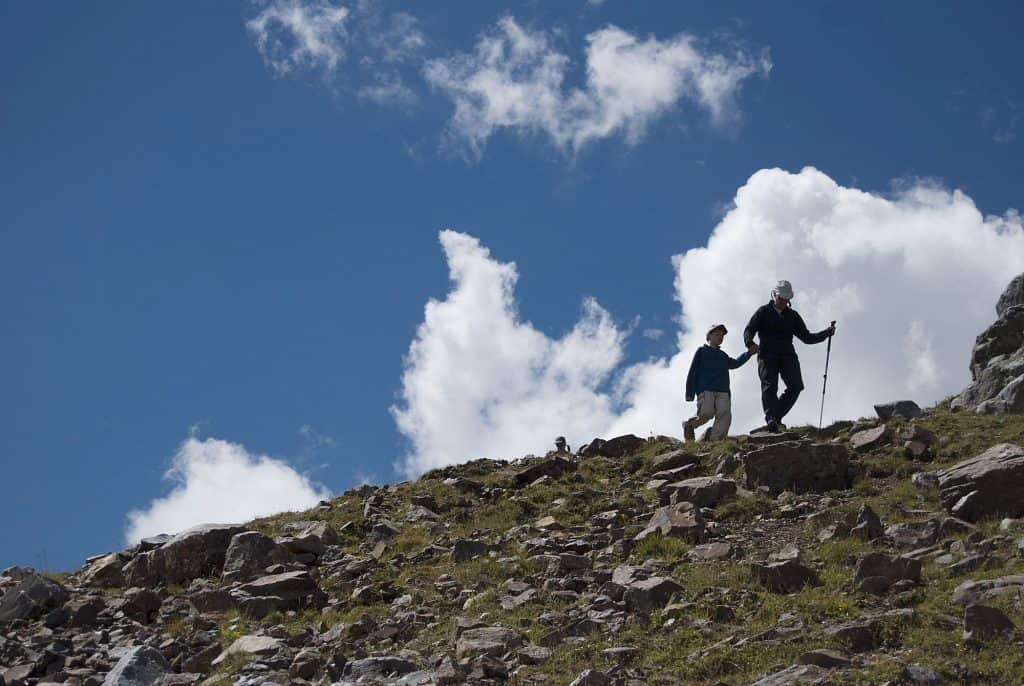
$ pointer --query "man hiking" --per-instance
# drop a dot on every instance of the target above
(708, 382)
(775, 324)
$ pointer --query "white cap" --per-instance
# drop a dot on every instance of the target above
(783, 289)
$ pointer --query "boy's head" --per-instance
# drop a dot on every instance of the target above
(716, 334)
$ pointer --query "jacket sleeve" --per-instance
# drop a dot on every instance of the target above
(691, 378)
(753, 326)
(804, 335)
(739, 361)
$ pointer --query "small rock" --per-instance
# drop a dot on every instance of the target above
(982, 622)
(906, 409)
(919, 675)
(870, 439)
(825, 658)
(140, 666)
(783, 577)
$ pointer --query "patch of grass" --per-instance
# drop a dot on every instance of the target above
(659, 547)
(745, 508)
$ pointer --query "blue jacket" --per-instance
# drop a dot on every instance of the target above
(775, 331)
(709, 371)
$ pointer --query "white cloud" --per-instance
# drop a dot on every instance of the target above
(218, 481)
(480, 382)
(653, 334)
(912, 278)
(291, 34)
(515, 78)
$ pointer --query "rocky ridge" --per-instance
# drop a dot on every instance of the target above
(886, 550)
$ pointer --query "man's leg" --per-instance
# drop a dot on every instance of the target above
(723, 416)
(768, 370)
(705, 411)
(789, 368)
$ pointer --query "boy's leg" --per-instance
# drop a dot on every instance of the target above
(723, 416)
(705, 411)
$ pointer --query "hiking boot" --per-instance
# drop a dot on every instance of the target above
(688, 435)
(773, 426)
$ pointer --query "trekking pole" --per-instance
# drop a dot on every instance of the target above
(828, 353)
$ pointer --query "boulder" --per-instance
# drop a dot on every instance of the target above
(673, 459)
(465, 549)
(702, 491)
(997, 360)
(989, 485)
(907, 409)
(971, 592)
(829, 659)
(876, 572)
(681, 520)
(983, 622)
(868, 525)
(262, 646)
(619, 446)
(919, 675)
(783, 577)
(910, 535)
(870, 439)
(799, 467)
(140, 666)
(553, 467)
(197, 552)
(802, 675)
(591, 677)
(647, 595)
(375, 669)
(31, 597)
(104, 571)
(249, 553)
(288, 591)
(489, 640)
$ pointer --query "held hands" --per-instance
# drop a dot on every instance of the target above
(753, 348)
(832, 328)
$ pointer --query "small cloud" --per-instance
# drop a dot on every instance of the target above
(515, 79)
(291, 34)
(652, 334)
(314, 438)
(218, 481)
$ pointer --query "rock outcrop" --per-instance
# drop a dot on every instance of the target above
(997, 360)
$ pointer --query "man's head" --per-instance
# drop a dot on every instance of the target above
(716, 334)
(782, 294)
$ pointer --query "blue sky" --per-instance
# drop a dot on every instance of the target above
(210, 243)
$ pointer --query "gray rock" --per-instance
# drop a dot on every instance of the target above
(997, 360)
(104, 571)
(972, 592)
(919, 675)
(553, 467)
(829, 659)
(982, 622)
(140, 666)
(804, 675)
(870, 439)
(288, 591)
(465, 549)
(31, 597)
(591, 677)
(798, 467)
(702, 491)
(673, 460)
(1011, 296)
(911, 535)
(681, 520)
(619, 446)
(196, 552)
(489, 640)
(262, 646)
(987, 485)
(649, 594)
(249, 553)
(377, 668)
(868, 526)
(907, 409)
(783, 577)
(892, 569)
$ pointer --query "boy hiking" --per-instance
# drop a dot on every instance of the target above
(708, 382)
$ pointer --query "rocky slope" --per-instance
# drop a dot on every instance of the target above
(889, 550)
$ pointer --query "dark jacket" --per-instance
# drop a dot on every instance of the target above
(709, 371)
(776, 330)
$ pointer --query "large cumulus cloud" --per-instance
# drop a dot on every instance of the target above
(911, 277)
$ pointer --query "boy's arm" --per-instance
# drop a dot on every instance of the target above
(739, 361)
(691, 378)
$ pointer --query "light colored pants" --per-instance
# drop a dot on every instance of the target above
(713, 405)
